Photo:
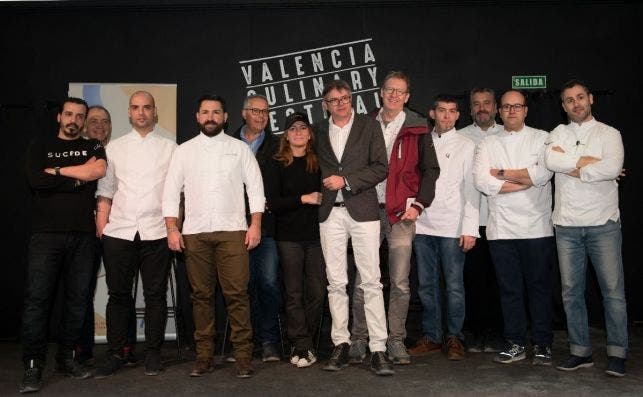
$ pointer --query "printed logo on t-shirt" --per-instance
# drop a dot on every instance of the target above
(68, 153)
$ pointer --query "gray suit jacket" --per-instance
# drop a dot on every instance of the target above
(363, 164)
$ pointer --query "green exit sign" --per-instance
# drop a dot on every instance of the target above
(528, 82)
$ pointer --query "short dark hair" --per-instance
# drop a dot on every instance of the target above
(75, 100)
(446, 99)
(210, 97)
(481, 90)
(335, 85)
(398, 74)
(573, 83)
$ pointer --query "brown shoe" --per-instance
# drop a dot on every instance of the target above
(455, 349)
(423, 347)
(202, 367)
(243, 368)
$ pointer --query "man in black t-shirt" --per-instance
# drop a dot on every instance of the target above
(62, 173)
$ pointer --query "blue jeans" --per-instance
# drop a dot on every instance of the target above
(264, 290)
(64, 256)
(603, 245)
(433, 254)
(520, 264)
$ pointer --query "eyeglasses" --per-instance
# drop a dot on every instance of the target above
(517, 107)
(390, 91)
(338, 101)
(257, 112)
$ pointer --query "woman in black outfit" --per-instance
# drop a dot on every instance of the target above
(293, 184)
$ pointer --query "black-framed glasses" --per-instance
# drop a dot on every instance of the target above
(257, 111)
(396, 91)
(516, 107)
(338, 101)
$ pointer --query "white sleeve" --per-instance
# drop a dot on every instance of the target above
(612, 157)
(538, 173)
(557, 161)
(482, 178)
(471, 216)
(251, 175)
(174, 181)
(107, 184)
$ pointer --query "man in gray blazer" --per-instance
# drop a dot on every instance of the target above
(352, 158)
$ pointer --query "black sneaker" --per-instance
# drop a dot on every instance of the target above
(108, 367)
(513, 353)
(32, 379)
(476, 344)
(615, 366)
(129, 358)
(357, 351)
(153, 364)
(575, 362)
(72, 368)
(339, 358)
(269, 353)
(542, 355)
(381, 365)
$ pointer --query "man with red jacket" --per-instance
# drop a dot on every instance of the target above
(403, 195)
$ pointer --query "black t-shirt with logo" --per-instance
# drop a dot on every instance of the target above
(60, 204)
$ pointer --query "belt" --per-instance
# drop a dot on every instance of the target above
(339, 204)
(382, 206)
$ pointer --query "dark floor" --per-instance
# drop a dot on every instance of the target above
(433, 375)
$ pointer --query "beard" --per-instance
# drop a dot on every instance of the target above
(211, 128)
(71, 130)
(482, 120)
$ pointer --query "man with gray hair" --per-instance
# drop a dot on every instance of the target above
(263, 287)
(483, 313)
(352, 158)
(408, 189)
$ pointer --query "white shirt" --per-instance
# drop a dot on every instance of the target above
(454, 210)
(213, 172)
(526, 213)
(591, 200)
(390, 131)
(338, 137)
(476, 134)
(136, 169)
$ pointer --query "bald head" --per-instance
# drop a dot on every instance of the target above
(513, 110)
(142, 112)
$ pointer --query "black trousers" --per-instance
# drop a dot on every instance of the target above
(304, 276)
(52, 257)
(85, 346)
(483, 310)
(122, 259)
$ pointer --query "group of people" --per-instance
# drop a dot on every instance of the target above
(268, 217)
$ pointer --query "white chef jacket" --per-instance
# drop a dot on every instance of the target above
(213, 172)
(526, 213)
(136, 169)
(476, 134)
(592, 199)
(455, 208)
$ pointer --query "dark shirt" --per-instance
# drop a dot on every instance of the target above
(284, 188)
(266, 149)
(58, 204)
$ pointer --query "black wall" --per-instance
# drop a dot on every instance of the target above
(444, 48)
